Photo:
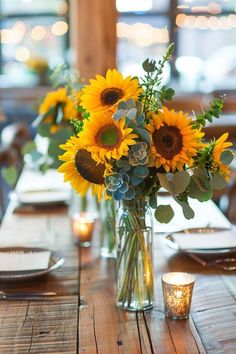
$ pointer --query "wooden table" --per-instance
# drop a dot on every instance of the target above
(82, 318)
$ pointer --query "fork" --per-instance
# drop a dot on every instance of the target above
(222, 263)
(41, 295)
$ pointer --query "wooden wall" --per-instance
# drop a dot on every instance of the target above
(93, 35)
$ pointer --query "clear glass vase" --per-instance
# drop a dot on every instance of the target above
(134, 242)
(107, 216)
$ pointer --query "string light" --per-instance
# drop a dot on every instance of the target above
(38, 33)
(202, 22)
(142, 34)
(22, 54)
(59, 28)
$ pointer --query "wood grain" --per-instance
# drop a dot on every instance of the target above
(83, 317)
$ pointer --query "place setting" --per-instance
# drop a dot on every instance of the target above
(208, 246)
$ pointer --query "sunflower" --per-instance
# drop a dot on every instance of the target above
(219, 147)
(106, 92)
(57, 102)
(81, 170)
(106, 138)
(174, 141)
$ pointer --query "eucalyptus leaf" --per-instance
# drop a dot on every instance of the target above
(164, 182)
(141, 171)
(44, 167)
(164, 213)
(218, 182)
(130, 194)
(180, 182)
(143, 134)
(119, 114)
(122, 106)
(36, 155)
(131, 114)
(10, 175)
(44, 130)
(196, 193)
(140, 119)
(139, 107)
(153, 201)
(226, 157)
(28, 147)
(187, 210)
(130, 104)
(136, 180)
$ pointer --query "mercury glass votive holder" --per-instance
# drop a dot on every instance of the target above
(82, 226)
(177, 292)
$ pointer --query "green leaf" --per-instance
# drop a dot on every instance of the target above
(36, 155)
(169, 93)
(44, 167)
(218, 182)
(149, 65)
(10, 175)
(143, 134)
(122, 106)
(44, 130)
(187, 210)
(153, 201)
(131, 114)
(139, 107)
(164, 213)
(130, 104)
(196, 193)
(180, 182)
(54, 149)
(119, 114)
(141, 171)
(164, 182)
(28, 147)
(227, 157)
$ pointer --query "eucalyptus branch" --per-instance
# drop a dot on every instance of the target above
(153, 96)
(62, 75)
(213, 112)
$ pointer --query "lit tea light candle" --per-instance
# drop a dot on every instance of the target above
(177, 291)
(82, 228)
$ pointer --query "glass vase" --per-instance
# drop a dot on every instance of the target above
(107, 216)
(135, 278)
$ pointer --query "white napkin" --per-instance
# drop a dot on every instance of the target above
(215, 240)
(23, 261)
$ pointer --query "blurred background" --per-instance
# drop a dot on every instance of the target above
(95, 35)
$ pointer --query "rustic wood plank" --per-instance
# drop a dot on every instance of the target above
(103, 327)
(217, 329)
(42, 326)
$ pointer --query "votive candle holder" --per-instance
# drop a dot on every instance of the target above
(82, 226)
(177, 292)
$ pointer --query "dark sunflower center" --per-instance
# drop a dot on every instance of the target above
(168, 141)
(111, 95)
(88, 168)
(108, 136)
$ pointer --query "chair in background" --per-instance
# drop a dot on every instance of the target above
(13, 137)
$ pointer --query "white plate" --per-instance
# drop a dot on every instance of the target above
(42, 197)
(55, 262)
(169, 241)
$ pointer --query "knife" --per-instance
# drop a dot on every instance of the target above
(28, 296)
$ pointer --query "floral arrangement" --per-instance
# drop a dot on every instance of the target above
(37, 65)
(126, 147)
(55, 113)
(128, 144)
